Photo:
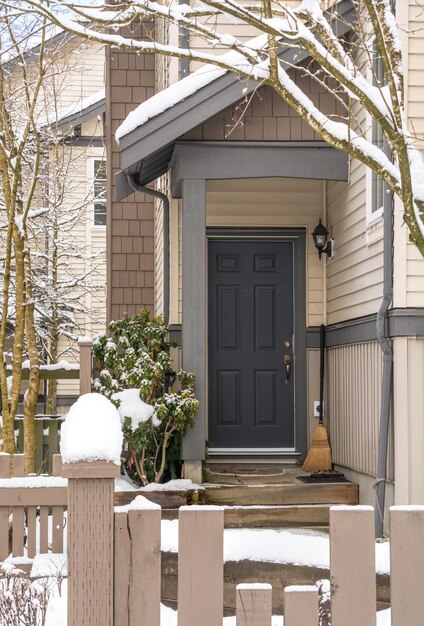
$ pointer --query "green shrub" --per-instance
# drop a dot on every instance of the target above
(137, 356)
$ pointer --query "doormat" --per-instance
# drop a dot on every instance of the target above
(323, 477)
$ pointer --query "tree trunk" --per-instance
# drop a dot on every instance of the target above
(31, 396)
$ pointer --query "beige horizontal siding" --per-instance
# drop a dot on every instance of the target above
(354, 275)
(354, 395)
(415, 91)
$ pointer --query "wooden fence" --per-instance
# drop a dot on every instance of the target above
(114, 558)
(26, 502)
(127, 543)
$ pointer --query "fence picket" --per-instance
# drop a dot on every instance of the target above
(121, 574)
(32, 531)
(144, 591)
(352, 566)
(18, 530)
(39, 446)
(300, 605)
(57, 531)
(253, 604)
(53, 445)
(200, 566)
(407, 565)
(44, 529)
(18, 465)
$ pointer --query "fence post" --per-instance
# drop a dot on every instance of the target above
(352, 566)
(406, 565)
(300, 605)
(4, 510)
(200, 566)
(253, 604)
(85, 346)
(57, 465)
(90, 542)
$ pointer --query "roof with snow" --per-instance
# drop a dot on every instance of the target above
(78, 113)
(147, 136)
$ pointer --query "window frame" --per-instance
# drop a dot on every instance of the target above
(93, 179)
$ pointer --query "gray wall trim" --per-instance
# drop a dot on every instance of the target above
(298, 237)
(175, 332)
(194, 307)
(224, 160)
(210, 100)
(408, 322)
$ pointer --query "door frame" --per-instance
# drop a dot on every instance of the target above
(297, 236)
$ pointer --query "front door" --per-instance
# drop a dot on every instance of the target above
(250, 351)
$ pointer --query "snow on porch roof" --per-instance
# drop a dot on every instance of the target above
(147, 136)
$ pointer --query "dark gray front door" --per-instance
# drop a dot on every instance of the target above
(250, 307)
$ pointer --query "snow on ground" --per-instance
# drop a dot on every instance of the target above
(92, 431)
(56, 613)
(299, 547)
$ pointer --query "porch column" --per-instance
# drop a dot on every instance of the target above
(194, 282)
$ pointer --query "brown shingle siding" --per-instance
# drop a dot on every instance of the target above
(130, 80)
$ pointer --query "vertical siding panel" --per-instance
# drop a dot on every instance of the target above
(354, 393)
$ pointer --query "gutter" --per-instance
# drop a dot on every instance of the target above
(165, 241)
(386, 346)
(184, 43)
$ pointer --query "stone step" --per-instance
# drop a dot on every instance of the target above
(269, 516)
(283, 494)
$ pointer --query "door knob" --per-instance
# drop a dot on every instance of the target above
(287, 362)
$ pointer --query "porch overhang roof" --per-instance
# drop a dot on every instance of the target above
(147, 150)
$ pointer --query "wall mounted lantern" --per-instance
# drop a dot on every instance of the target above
(322, 243)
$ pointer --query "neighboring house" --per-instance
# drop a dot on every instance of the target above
(71, 106)
(242, 279)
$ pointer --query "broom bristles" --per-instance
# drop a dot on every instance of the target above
(319, 455)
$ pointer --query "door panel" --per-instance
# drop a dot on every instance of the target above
(250, 317)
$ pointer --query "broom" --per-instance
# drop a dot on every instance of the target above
(319, 455)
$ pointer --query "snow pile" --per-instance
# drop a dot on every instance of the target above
(49, 565)
(123, 483)
(92, 431)
(140, 503)
(132, 406)
(178, 484)
(299, 547)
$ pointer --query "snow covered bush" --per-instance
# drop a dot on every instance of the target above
(156, 405)
(22, 602)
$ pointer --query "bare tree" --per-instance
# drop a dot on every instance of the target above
(46, 270)
(346, 62)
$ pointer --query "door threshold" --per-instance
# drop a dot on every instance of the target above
(253, 455)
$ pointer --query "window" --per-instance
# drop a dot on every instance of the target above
(377, 183)
(99, 193)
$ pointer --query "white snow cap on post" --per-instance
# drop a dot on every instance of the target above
(91, 431)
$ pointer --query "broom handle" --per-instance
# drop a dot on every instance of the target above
(321, 372)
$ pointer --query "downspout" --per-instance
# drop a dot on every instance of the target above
(184, 44)
(165, 240)
(385, 344)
